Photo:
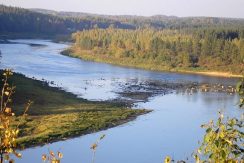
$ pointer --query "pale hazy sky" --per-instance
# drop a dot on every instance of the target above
(216, 8)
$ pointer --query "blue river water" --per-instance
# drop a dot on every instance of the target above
(173, 128)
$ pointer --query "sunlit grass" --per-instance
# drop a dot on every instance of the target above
(57, 115)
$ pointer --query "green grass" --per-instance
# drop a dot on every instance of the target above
(56, 114)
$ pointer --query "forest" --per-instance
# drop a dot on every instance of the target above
(35, 21)
(190, 49)
(179, 103)
(158, 42)
(19, 20)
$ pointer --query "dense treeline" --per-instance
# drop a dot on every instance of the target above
(215, 49)
(18, 20)
(156, 22)
(38, 21)
(157, 42)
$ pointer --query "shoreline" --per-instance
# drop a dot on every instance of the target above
(60, 115)
(70, 53)
(212, 73)
(28, 145)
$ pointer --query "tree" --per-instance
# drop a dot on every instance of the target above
(8, 132)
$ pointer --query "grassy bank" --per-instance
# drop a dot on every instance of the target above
(144, 64)
(57, 115)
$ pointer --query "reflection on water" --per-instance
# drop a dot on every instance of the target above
(82, 77)
(173, 128)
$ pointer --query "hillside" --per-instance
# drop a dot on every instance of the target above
(156, 21)
(35, 21)
(19, 20)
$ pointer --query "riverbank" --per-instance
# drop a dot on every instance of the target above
(90, 56)
(5, 37)
(213, 73)
(57, 115)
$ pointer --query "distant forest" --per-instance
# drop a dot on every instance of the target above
(156, 42)
(207, 49)
(18, 20)
(39, 21)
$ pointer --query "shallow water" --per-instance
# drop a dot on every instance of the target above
(173, 128)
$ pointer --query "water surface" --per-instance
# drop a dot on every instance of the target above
(173, 128)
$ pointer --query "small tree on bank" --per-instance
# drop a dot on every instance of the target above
(8, 132)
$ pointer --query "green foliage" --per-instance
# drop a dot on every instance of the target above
(222, 141)
(215, 49)
(19, 20)
(240, 90)
(9, 131)
(35, 22)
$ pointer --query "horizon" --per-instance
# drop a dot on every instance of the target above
(128, 14)
(174, 8)
(90, 13)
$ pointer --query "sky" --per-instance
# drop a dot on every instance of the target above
(181, 8)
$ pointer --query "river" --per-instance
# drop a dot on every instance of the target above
(173, 128)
